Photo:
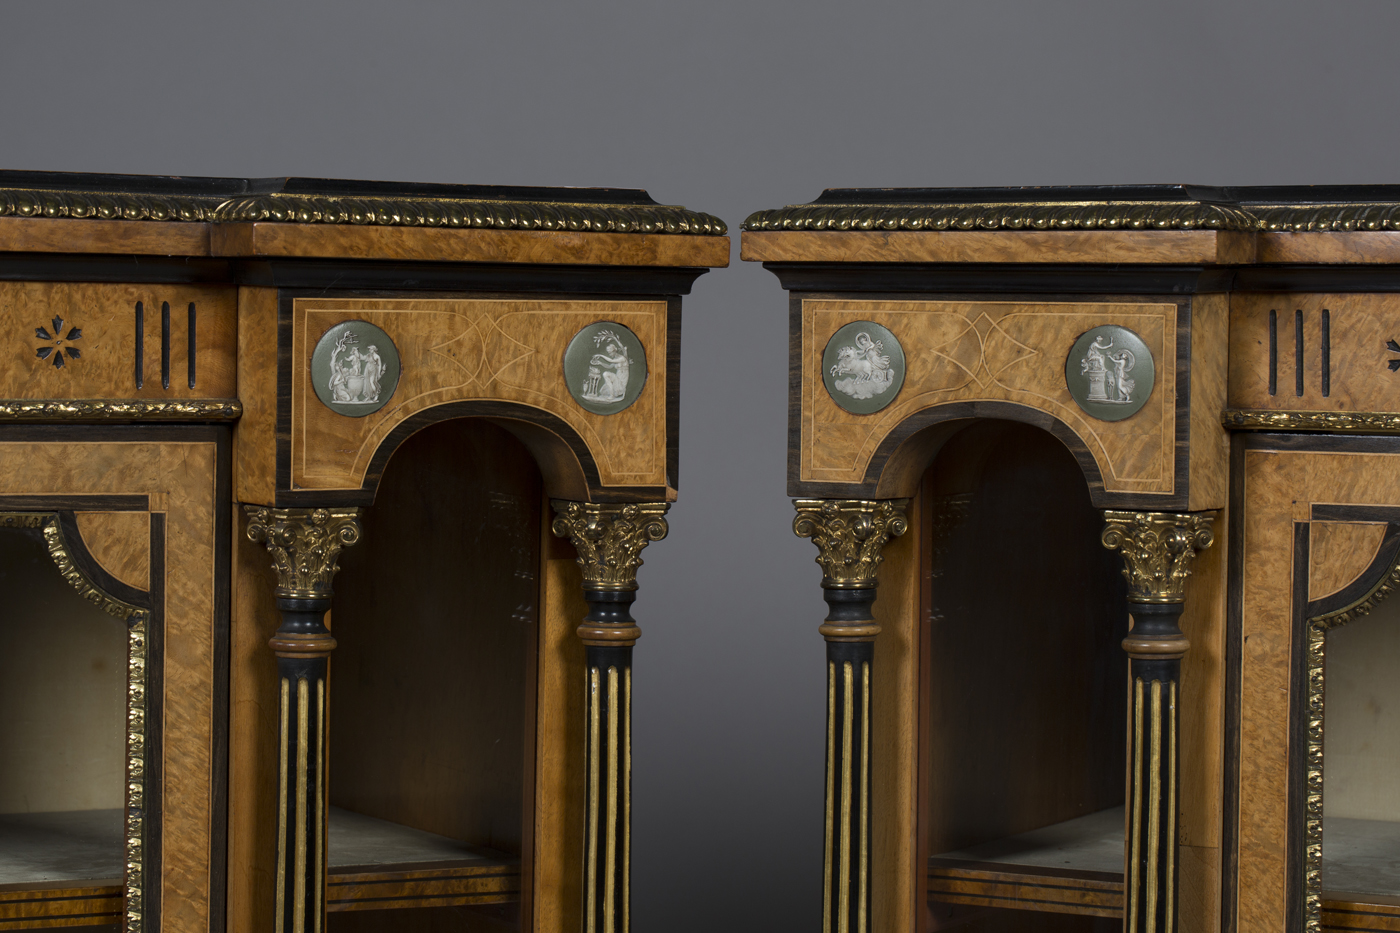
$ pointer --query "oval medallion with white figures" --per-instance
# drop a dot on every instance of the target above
(605, 367)
(863, 367)
(1110, 372)
(355, 368)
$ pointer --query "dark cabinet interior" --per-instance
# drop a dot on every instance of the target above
(432, 689)
(1024, 737)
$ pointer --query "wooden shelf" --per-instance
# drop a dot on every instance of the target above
(61, 869)
(379, 865)
(1074, 867)
(1360, 856)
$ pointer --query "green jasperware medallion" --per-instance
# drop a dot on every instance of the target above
(355, 368)
(863, 367)
(1110, 372)
(605, 368)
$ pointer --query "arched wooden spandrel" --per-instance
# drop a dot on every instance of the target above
(497, 358)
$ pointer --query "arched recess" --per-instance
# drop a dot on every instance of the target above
(568, 466)
(904, 455)
(132, 607)
(1022, 724)
(1374, 586)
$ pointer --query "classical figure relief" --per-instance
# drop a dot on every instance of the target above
(1112, 385)
(608, 370)
(867, 371)
(355, 375)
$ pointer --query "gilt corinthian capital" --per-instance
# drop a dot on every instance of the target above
(1158, 548)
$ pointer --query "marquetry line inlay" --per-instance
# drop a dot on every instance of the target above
(1324, 350)
(58, 343)
(166, 334)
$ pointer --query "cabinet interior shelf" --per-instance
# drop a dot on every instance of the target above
(379, 865)
(1074, 867)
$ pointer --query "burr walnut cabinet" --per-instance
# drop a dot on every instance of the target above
(217, 393)
(1125, 463)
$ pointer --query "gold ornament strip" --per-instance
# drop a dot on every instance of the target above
(1317, 629)
(305, 545)
(137, 661)
(105, 205)
(105, 409)
(375, 211)
(1360, 216)
(849, 535)
(1337, 422)
(609, 538)
(1158, 548)
(1027, 215)
(470, 213)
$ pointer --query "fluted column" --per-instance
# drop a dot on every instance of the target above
(849, 535)
(305, 546)
(1157, 549)
(609, 539)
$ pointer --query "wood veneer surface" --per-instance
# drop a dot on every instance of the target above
(464, 349)
(121, 237)
(895, 706)
(120, 542)
(105, 316)
(559, 781)
(959, 351)
(1339, 553)
(1029, 246)
(255, 434)
(330, 241)
(1358, 359)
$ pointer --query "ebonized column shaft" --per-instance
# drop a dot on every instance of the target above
(608, 776)
(302, 645)
(846, 855)
(1154, 677)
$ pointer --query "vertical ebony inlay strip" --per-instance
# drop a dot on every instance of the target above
(1298, 352)
(1326, 353)
(191, 345)
(140, 344)
(165, 344)
(1273, 353)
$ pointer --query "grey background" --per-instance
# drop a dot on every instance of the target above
(727, 106)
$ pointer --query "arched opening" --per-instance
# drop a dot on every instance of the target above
(1023, 719)
(432, 688)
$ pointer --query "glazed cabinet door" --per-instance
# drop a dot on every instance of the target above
(113, 660)
(1312, 815)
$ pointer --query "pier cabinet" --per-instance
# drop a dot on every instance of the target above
(1125, 465)
(321, 505)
